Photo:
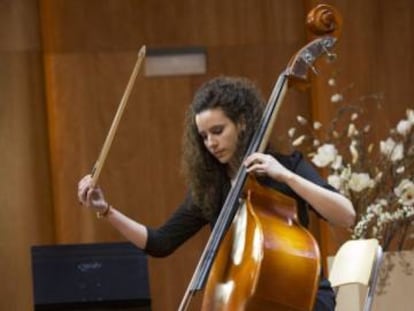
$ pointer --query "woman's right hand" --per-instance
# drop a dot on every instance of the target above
(91, 196)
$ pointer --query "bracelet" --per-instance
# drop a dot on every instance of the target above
(104, 213)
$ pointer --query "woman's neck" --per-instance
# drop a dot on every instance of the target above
(232, 168)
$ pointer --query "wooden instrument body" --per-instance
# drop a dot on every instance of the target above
(265, 236)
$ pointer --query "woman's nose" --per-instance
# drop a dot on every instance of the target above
(211, 142)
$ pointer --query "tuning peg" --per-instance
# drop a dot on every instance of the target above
(327, 44)
(330, 56)
(309, 59)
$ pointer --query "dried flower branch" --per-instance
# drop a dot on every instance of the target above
(376, 176)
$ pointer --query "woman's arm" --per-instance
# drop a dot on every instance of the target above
(94, 198)
(130, 229)
(333, 206)
(182, 224)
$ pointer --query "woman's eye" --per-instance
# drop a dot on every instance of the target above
(217, 130)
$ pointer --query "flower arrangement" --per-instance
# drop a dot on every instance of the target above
(376, 175)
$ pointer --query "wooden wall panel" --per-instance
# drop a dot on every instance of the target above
(97, 25)
(26, 217)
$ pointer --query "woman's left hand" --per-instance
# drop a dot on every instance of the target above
(265, 164)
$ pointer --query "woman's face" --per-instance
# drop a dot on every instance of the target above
(219, 133)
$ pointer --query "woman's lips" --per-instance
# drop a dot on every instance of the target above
(219, 154)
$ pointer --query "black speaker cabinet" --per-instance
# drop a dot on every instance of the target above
(99, 276)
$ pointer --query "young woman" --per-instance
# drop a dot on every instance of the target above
(219, 123)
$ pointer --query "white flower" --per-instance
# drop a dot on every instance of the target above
(400, 170)
(298, 141)
(404, 127)
(408, 210)
(335, 98)
(391, 149)
(334, 181)
(360, 181)
(405, 192)
(377, 207)
(346, 173)
(354, 116)
(331, 82)
(410, 115)
(325, 155)
(337, 163)
(354, 151)
(378, 176)
(317, 125)
(301, 120)
(291, 132)
(352, 130)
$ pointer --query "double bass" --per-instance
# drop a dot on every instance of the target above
(258, 256)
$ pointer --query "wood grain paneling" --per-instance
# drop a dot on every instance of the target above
(26, 216)
(100, 25)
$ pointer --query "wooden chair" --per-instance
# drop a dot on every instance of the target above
(357, 262)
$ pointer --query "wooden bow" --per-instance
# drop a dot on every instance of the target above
(109, 138)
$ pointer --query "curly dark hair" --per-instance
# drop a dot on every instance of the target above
(241, 102)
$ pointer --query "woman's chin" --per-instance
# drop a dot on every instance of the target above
(223, 159)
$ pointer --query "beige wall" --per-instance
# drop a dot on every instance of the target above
(64, 68)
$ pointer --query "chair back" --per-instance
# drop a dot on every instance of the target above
(357, 262)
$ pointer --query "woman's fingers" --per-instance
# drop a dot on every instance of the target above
(94, 195)
(266, 164)
(256, 163)
(257, 159)
(84, 187)
(253, 159)
(262, 164)
(91, 196)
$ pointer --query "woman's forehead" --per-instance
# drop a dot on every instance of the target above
(210, 117)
